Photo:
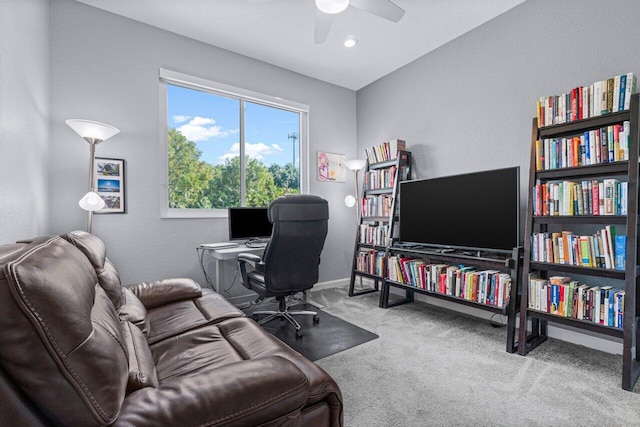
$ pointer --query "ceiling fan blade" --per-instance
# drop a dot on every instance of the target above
(322, 27)
(383, 8)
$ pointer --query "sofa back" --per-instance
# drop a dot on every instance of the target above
(61, 342)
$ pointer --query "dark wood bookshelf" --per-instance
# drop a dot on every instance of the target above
(505, 263)
(402, 164)
(533, 323)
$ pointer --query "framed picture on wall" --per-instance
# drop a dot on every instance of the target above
(109, 183)
(331, 167)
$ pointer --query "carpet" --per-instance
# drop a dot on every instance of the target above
(435, 367)
(330, 336)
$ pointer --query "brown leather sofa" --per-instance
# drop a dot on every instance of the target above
(79, 349)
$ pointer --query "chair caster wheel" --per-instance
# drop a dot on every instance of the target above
(298, 335)
(316, 319)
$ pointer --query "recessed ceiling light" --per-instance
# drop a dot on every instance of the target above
(350, 42)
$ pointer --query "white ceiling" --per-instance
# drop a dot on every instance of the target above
(281, 32)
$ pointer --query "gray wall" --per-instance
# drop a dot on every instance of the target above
(105, 68)
(468, 106)
(24, 119)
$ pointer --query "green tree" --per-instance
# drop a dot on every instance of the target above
(194, 183)
(286, 177)
(188, 175)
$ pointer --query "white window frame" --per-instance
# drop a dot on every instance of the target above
(184, 80)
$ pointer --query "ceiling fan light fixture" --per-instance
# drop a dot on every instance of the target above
(332, 6)
(350, 42)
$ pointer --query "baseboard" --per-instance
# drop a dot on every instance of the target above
(330, 284)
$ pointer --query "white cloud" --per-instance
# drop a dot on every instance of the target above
(256, 151)
(203, 128)
(180, 119)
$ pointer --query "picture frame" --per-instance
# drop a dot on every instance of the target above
(331, 167)
(109, 183)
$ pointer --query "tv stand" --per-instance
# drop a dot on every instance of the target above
(471, 278)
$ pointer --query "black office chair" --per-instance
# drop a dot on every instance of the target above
(292, 256)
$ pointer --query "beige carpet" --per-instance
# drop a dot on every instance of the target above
(434, 367)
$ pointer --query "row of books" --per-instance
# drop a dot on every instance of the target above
(602, 97)
(371, 262)
(564, 297)
(603, 249)
(380, 178)
(605, 145)
(374, 234)
(379, 205)
(386, 151)
(488, 287)
(589, 197)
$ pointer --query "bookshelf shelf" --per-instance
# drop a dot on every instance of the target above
(577, 323)
(576, 269)
(497, 264)
(580, 219)
(396, 170)
(548, 277)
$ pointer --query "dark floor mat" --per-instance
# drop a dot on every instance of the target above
(331, 335)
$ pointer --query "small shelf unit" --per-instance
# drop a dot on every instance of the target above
(400, 169)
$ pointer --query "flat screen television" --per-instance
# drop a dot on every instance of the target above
(249, 224)
(478, 211)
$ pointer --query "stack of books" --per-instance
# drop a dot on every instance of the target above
(385, 151)
(564, 297)
(602, 97)
(604, 249)
(606, 145)
(487, 287)
(376, 235)
(380, 178)
(590, 197)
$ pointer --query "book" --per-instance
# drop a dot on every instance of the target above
(620, 246)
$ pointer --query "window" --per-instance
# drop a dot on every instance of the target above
(227, 147)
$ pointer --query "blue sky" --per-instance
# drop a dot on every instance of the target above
(213, 123)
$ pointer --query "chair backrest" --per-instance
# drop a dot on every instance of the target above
(292, 256)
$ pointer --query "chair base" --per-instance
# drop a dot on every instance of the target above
(285, 314)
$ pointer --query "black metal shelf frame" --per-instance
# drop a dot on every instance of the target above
(530, 338)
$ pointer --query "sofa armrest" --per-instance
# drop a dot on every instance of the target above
(161, 292)
(250, 392)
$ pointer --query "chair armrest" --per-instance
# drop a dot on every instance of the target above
(250, 258)
(252, 392)
(254, 261)
(161, 292)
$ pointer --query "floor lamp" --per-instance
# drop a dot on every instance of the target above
(94, 133)
(355, 165)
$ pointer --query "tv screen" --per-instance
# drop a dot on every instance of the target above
(249, 223)
(477, 210)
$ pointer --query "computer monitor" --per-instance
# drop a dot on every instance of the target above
(249, 224)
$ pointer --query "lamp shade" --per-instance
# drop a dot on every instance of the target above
(350, 201)
(332, 6)
(92, 131)
(91, 202)
(355, 164)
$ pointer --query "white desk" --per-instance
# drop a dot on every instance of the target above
(222, 256)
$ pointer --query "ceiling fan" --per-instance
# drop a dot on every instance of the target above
(326, 9)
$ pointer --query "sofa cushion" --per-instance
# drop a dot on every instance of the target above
(61, 338)
(94, 249)
(172, 319)
(142, 368)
